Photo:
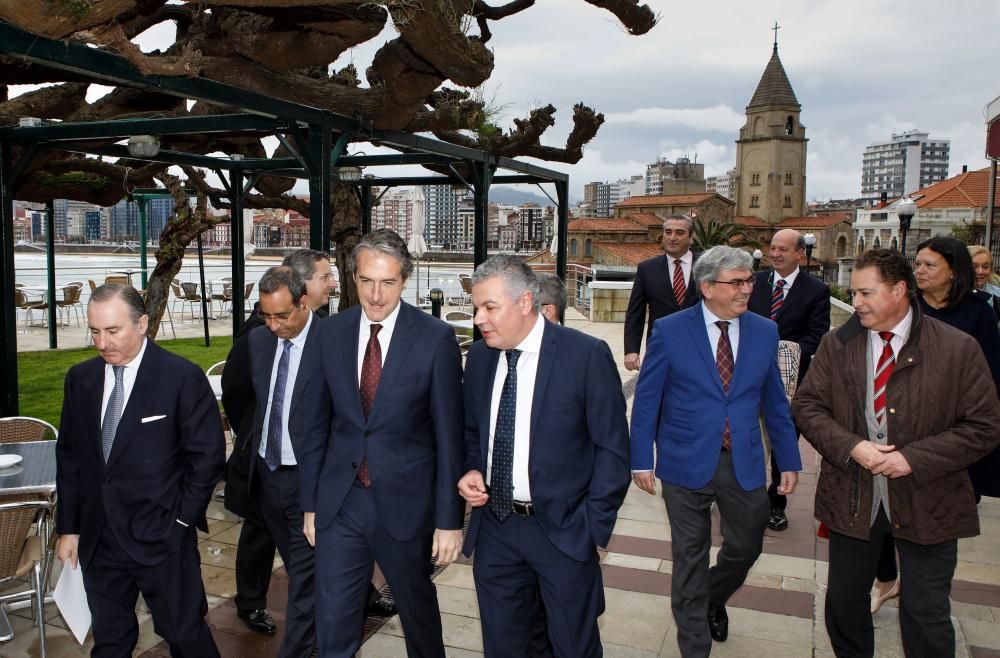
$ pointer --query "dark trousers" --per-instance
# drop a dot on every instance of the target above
(280, 503)
(693, 584)
(924, 588)
(346, 551)
(254, 564)
(514, 561)
(173, 591)
(778, 501)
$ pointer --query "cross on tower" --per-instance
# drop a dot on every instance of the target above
(775, 30)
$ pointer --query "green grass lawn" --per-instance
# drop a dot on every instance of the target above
(41, 374)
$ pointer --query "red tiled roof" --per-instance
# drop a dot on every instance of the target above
(631, 252)
(646, 219)
(754, 222)
(816, 221)
(968, 190)
(607, 225)
(667, 200)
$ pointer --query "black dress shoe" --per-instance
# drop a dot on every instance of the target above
(718, 622)
(380, 607)
(777, 520)
(259, 621)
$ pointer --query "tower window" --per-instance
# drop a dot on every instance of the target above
(788, 178)
(790, 125)
(788, 201)
(755, 202)
(755, 179)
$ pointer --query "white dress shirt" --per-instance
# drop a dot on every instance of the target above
(294, 359)
(384, 336)
(789, 280)
(128, 380)
(527, 369)
(714, 333)
(687, 260)
(901, 333)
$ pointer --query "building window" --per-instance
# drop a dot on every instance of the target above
(755, 179)
(788, 201)
(877, 244)
(790, 125)
(861, 245)
(841, 247)
(754, 202)
(587, 248)
(572, 247)
(788, 178)
(895, 244)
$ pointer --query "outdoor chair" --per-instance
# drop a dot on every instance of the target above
(225, 297)
(190, 296)
(457, 315)
(15, 429)
(465, 298)
(70, 302)
(215, 368)
(93, 286)
(22, 303)
(24, 551)
(118, 279)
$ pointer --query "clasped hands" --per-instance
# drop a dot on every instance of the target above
(880, 459)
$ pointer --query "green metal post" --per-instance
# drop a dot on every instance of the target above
(8, 351)
(50, 270)
(142, 201)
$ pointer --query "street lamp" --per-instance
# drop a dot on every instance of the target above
(810, 241)
(757, 255)
(347, 174)
(143, 146)
(905, 210)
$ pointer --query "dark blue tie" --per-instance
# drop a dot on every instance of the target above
(502, 474)
(272, 452)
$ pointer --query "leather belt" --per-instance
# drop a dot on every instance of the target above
(523, 508)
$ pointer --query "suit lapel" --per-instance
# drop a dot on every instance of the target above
(704, 345)
(143, 394)
(93, 397)
(546, 359)
(349, 355)
(747, 349)
(403, 338)
(308, 357)
(489, 374)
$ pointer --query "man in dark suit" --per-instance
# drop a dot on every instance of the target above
(663, 283)
(546, 457)
(710, 372)
(282, 360)
(800, 304)
(139, 453)
(382, 454)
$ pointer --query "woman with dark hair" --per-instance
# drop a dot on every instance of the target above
(946, 282)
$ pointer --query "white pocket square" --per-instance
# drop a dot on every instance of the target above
(150, 419)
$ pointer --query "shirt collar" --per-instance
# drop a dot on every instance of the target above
(300, 340)
(687, 258)
(712, 318)
(902, 330)
(788, 279)
(533, 341)
(387, 325)
(134, 363)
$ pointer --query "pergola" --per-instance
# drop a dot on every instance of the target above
(316, 138)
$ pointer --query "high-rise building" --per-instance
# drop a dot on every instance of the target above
(124, 221)
(723, 185)
(441, 225)
(395, 212)
(158, 212)
(771, 150)
(682, 177)
(908, 162)
(61, 209)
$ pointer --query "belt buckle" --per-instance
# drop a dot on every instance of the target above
(523, 508)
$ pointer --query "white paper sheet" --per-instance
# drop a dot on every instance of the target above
(71, 598)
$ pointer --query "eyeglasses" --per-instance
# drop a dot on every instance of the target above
(280, 317)
(737, 283)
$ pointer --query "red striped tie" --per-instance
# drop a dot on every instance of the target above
(679, 288)
(724, 363)
(883, 370)
(777, 297)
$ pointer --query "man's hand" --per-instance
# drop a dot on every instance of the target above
(309, 527)
(67, 549)
(645, 480)
(870, 454)
(894, 466)
(472, 488)
(632, 361)
(446, 545)
(788, 481)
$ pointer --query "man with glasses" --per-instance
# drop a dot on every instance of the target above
(710, 372)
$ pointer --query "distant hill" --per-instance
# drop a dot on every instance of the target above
(512, 197)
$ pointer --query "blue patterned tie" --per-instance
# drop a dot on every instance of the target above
(113, 413)
(272, 452)
(502, 475)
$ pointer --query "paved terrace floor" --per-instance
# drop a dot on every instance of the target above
(777, 614)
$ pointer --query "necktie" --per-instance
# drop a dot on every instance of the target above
(886, 362)
(272, 452)
(114, 412)
(371, 373)
(679, 288)
(724, 363)
(777, 297)
(502, 475)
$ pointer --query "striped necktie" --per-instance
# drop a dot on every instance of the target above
(883, 370)
(724, 363)
(777, 297)
(679, 288)
(275, 429)
(116, 403)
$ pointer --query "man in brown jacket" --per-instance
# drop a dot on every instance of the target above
(887, 404)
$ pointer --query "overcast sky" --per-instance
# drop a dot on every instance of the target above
(861, 69)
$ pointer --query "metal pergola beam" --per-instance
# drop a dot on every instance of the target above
(124, 128)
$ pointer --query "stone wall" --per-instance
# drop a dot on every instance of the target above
(609, 300)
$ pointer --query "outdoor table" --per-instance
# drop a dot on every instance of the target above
(36, 473)
(461, 324)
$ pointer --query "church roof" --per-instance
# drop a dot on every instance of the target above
(774, 87)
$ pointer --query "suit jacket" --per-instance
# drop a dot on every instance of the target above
(159, 471)
(578, 461)
(804, 316)
(680, 406)
(413, 437)
(653, 287)
(263, 345)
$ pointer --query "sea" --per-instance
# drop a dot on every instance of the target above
(30, 270)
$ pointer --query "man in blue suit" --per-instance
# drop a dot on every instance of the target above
(546, 444)
(139, 453)
(710, 372)
(381, 455)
